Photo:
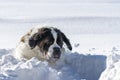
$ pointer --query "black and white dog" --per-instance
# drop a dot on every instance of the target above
(43, 43)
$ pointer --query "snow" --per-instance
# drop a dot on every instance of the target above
(113, 63)
(60, 1)
(35, 9)
(72, 66)
(83, 63)
(77, 26)
(95, 54)
(93, 27)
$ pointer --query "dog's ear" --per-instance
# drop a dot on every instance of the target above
(38, 37)
(34, 40)
(66, 40)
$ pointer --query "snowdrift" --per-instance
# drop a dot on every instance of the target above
(72, 66)
(112, 72)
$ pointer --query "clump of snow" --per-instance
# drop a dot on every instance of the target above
(72, 66)
(76, 45)
(12, 69)
(112, 71)
(5, 51)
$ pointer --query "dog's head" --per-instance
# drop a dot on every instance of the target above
(50, 42)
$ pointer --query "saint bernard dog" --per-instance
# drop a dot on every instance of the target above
(44, 43)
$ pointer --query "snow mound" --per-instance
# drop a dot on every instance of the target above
(112, 72)
(12, 69)
(72, 66)
(5, 51)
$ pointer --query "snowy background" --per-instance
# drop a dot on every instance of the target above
(93, 27)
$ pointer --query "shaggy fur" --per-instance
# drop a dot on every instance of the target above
(43, 43)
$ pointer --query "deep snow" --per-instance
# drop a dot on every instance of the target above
(93, 27)
(112, 71)
(94, 41)
(72, 66)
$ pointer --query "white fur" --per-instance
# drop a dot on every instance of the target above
(23, 50)
(50, 51)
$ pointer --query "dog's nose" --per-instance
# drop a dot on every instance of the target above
(56, 53)
(56, 49)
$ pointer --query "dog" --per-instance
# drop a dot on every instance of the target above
(44, 43)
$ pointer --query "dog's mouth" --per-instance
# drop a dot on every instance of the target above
(56, 55)
(53, 59)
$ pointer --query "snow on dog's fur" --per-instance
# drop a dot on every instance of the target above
(43, 43)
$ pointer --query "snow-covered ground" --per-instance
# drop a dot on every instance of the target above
(72, 66)
(96, 46)
(93, 27)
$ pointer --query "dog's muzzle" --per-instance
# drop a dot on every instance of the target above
(56, 52)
